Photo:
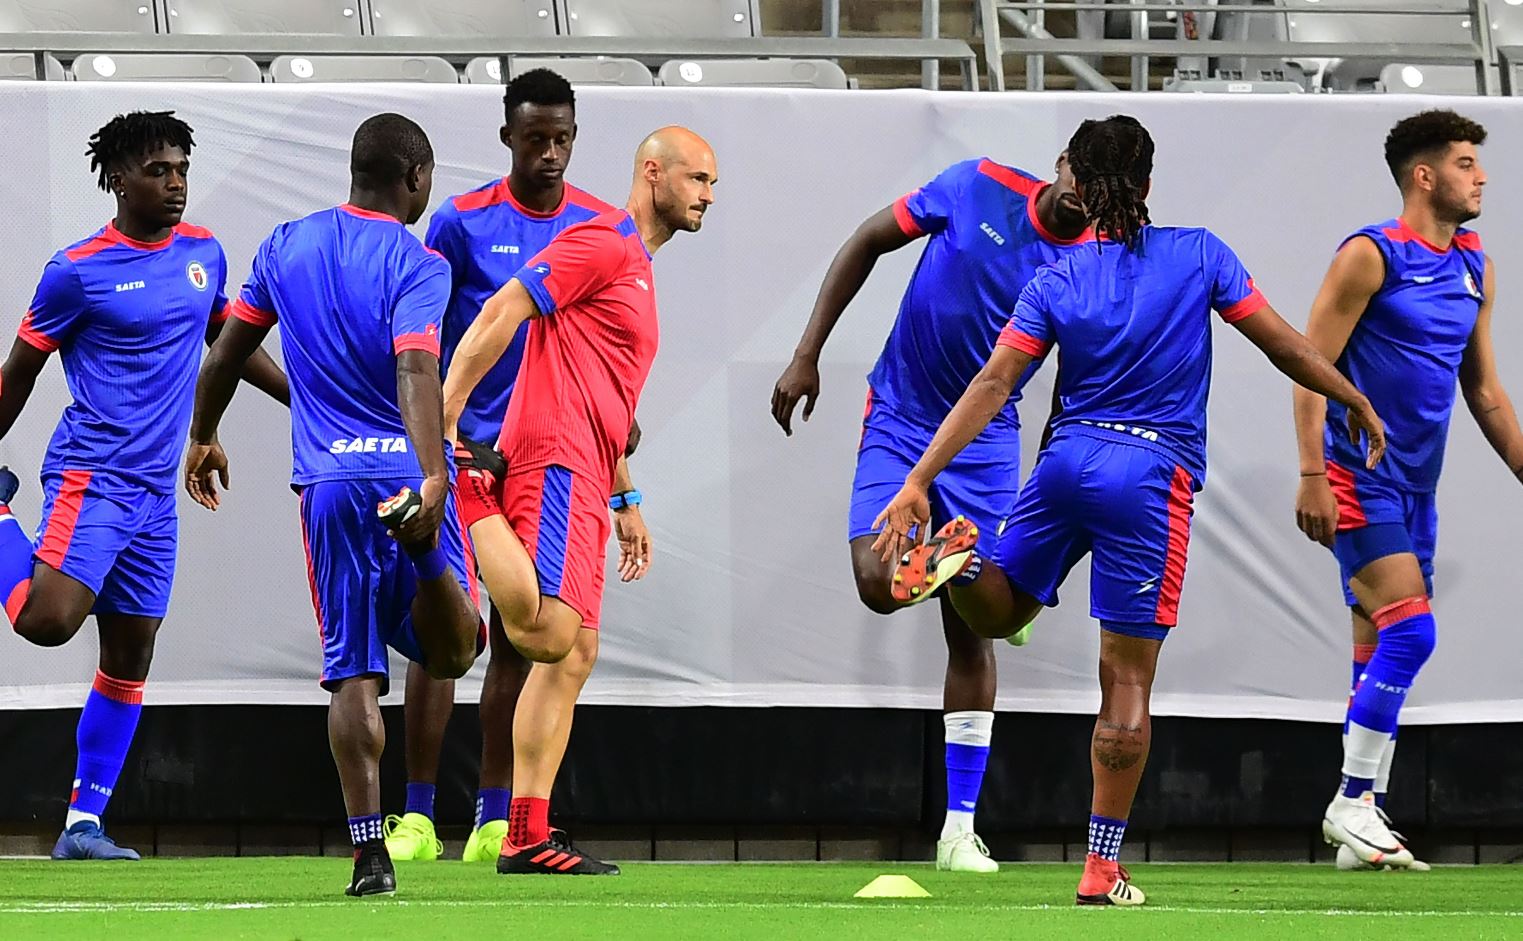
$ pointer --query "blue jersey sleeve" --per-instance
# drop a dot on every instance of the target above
(1233, 294)
(444, 236)
(57, 308)
(1030, 330)
(219, 300)
(926, 210)
(254, 303)
(419, 307)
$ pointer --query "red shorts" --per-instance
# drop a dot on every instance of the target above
(563, 519)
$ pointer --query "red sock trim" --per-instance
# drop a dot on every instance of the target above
(129, 692)
(1400, 611)
(528, 821)
(1363, 652)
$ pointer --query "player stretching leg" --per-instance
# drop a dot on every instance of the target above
(990, 228)
(128, 308)
(359, 301)
(485, 235)
(1405, 310)
(1128, 451)
(591, 298)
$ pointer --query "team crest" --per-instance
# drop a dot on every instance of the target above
(195, 272)
(1475, 292)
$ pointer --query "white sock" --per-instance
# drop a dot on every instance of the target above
(1383, 776)
(957, 823)
(1362, 751)
(75, 816)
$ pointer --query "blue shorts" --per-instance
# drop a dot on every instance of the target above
(981, 483)
(362, 582)
(1376, 519)
(116, 538)
(1128, 505)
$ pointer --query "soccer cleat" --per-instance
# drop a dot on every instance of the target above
(373, 872)
(411, 836)
(86, 840)
(479, 472)
(1021, 637)
(473, 455)
(927, 567)
(9, 484)
(1107, 883)
(396, 510)
(555, 856)
(1355, 822)
(485, 842)
(964, 852)
(1347, 861)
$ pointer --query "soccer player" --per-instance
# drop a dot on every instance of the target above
(1405, 310)
(128, 309)
(590, 297)
(1117, 478)
(359, 301)
(990, 228)
(485, 235)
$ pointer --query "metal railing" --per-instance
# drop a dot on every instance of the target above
(1027, 16)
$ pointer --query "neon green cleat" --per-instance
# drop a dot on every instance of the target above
(411, 836)
(485, 843)
(1020, 637)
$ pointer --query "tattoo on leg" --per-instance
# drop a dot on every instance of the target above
(1118, 747)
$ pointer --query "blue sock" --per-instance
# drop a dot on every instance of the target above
(1380, 799)
(967, 738)
(492, 804)
(15, 563)
(1105, 835)
(364, 829)
(968, 575)
(105, 733)
(431, 564)
(420, 799)
(1407, 637)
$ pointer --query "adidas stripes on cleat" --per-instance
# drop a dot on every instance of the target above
(1107, 883)
(555, 856)
(929, 565)
(473, 455)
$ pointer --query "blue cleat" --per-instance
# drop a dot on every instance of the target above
(86, 840)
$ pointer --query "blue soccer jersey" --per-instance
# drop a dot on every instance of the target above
(1405, 352)
(129, 319)
(985, 244)
(486, 235)
(1134, 326)
(350, 289)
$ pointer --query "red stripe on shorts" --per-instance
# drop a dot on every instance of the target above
(1181, 495)
(1350, 512)
(63, 517)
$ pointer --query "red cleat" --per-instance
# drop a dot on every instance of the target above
(927, 567)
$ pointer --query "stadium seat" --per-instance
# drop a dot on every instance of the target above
(1352, 75)
(664, 19)
(1399, 78)
(93, 67)
(22, 66)
(231, 17)
(96, 16)
(462, 17)
(785, 73)
(603, 70)
(362, 69)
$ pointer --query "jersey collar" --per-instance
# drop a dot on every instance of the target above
(113, 234)
(1036, 223)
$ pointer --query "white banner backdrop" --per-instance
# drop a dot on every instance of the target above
(750, 599)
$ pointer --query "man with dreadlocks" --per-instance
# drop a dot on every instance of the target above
(359, 301)
(988, 229)
(1405, 311)
(1128, 451)
(128, 309)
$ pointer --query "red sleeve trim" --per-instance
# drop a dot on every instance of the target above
(907, 223)
(1249, 305)
(220, 314)
(1024, 342)
(36, 337)
(427, 342)
(250, 314)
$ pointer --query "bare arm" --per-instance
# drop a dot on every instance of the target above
(17, 377)
(259, 371)
(205, 462)
(630, 529)
(985, 396)
(1296, 357)
(877, 236)
(483, 345)
(1482, 387)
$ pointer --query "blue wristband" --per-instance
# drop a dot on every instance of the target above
(625, 499)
